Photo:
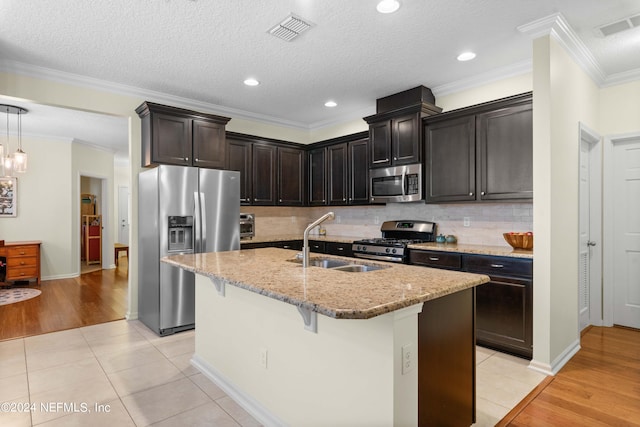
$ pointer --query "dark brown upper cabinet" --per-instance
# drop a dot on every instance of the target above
(239, 159)
(337, 167)
(291, 176)
(395, 131)
(339, 171)
(264, 174)
(479, 153)
(175, 136)
(358, 171)
(318, 176)
(272, 172)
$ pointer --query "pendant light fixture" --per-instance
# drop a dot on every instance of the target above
(16, 162)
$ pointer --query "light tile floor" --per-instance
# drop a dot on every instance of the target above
(122, 374)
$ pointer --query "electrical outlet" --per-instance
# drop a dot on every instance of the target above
(408, 358)
(376, 219)
(263, 358)
(466, 221)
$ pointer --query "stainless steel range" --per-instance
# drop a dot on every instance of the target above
(396, 236)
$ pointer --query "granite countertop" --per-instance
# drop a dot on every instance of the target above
(336, 294)
(475, 249)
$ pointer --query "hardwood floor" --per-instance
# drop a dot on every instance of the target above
(599, 386)
(91, 298)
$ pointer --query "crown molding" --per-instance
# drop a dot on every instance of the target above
(94, 146)
(148, 95)
(494, 75)
(557, 27)
(624, 77)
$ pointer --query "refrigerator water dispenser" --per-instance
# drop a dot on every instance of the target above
(180, 234)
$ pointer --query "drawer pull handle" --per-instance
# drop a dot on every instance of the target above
(497, 266)
(286, 247)
(21, 262)
(434, 258)
(21, 253)
(22, 274)
(341, 249)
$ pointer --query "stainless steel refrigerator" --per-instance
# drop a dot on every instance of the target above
(181, 210)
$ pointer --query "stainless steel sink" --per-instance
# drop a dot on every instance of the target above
(323, 262)
(336, 264)
(358, 268)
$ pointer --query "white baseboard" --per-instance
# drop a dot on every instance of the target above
(60, 276)
(248, 403)
(558, 362)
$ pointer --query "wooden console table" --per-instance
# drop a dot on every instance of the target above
(23, 260)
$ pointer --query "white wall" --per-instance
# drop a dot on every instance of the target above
(564, 95)
(44, 198)
(620, 109)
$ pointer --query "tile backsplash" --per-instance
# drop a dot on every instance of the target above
(487, 221)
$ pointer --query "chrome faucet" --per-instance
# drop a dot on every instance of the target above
(305, 244)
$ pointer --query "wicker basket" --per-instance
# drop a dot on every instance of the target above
(519, 240)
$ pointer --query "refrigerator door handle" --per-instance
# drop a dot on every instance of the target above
(196, 214)
(203, 223)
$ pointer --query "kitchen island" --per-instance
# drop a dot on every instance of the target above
(362, 361)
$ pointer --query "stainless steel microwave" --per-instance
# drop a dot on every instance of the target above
(396, 183)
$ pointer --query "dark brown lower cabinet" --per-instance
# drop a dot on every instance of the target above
(503, 311)
(447, 361)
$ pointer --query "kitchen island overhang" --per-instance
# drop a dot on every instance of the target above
(361, 366)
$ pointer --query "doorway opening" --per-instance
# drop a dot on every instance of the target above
(92, 223)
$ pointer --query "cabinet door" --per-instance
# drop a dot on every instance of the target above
(317, 177)
(405, 139)
(380, 144)
(208, 144)
(504, 315)
(264, 174)
(239, 159)
(505, 158)
(290, 176)
(337, 171)
(171, 140)
(450, 159)
(358, 172)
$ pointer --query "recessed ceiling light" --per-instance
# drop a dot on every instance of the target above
(466, 56)
(251, 82)
(388, 6)
(330, 104)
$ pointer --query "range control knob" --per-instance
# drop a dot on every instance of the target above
(387, 250)
(394, 251)
(364, 248)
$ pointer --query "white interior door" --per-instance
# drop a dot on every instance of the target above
(626, 233)
(585, 244)
(590, 230)
(123, 215)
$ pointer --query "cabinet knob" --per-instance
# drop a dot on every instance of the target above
(471, 194)
(341, 249)
(482, 193)
(323, 200)
(186, 159)
(395, 158)
(280, 200)
(344, 199)
(196, 159)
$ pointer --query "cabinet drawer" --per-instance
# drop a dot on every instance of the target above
(24, 261)
(501, 266)
(19, 273)
(18, 251)
(316, 246)
(436, 259)
(337, 248)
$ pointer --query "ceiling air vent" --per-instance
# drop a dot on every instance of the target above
(619, 26)
(290, 28)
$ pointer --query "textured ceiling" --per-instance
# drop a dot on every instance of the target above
(202, 50)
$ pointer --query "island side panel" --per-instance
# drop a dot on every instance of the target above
(349, 373)
(447, 360)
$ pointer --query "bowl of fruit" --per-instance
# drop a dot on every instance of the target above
(519, 240)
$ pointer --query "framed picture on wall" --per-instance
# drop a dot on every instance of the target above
(8, 194)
